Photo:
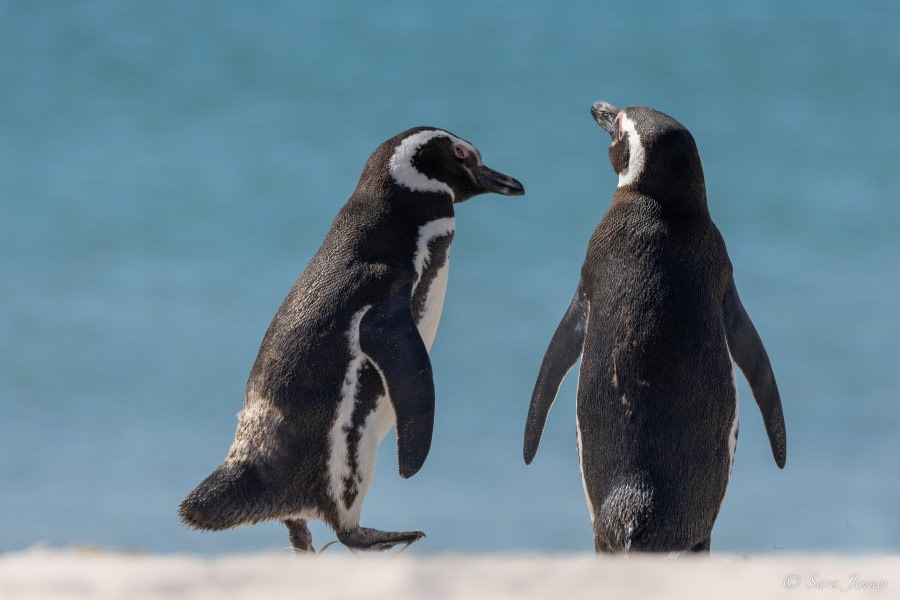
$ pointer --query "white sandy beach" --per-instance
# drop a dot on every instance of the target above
(49, 573)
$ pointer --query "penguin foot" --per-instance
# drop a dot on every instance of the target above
(301, 538)
(364, 538)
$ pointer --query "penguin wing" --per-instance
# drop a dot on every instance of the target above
(390, 339)
(750, 355)
(563, 352)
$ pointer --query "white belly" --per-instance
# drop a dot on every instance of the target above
(434, 305)
(342, 476)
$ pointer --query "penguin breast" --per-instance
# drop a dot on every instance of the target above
(432, 263)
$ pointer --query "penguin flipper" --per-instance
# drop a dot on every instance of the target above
(750, 355)
(563, 352)
(390, 339)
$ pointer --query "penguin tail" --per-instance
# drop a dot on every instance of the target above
(230, 496)
(624, 519)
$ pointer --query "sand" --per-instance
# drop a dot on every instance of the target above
(57, 573)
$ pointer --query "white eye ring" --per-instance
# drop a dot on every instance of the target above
(460, 151)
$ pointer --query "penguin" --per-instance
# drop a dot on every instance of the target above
(345, 358)
(656, 319)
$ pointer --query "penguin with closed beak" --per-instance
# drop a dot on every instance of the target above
(346, 356)
(656, 319)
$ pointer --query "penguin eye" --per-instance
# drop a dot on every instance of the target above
(460, 151)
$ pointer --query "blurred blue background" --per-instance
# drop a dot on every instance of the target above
(167, 169)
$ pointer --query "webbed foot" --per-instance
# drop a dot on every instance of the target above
(364, 538)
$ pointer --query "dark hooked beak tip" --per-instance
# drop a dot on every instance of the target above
(494, 181)
(605, 114)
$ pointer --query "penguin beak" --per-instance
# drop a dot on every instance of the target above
(494, 181)
(605, 115)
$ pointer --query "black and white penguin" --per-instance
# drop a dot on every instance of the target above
(656, 320)
(346, 356)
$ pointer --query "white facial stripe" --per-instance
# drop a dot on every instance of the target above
(405, 174)
(636, 155)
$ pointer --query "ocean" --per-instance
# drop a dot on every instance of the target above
(168, 169)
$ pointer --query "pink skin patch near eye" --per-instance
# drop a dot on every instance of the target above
(620, 133)
(462, 152)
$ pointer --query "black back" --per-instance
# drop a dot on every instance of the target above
(656, 395)
(278, 465)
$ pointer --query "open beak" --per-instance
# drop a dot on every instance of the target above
(495, 181)
(605, 114)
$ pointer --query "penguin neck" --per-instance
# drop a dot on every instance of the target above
(397, 207)
(666, 204)
(418, 208)
(683, 196)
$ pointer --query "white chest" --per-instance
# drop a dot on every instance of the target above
(432, 270)
(434, 305)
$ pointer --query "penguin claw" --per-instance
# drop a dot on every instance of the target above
(405, 546)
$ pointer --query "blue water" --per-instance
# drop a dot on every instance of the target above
(167, 169)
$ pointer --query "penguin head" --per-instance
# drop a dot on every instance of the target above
(425, 159)
(653, 153)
